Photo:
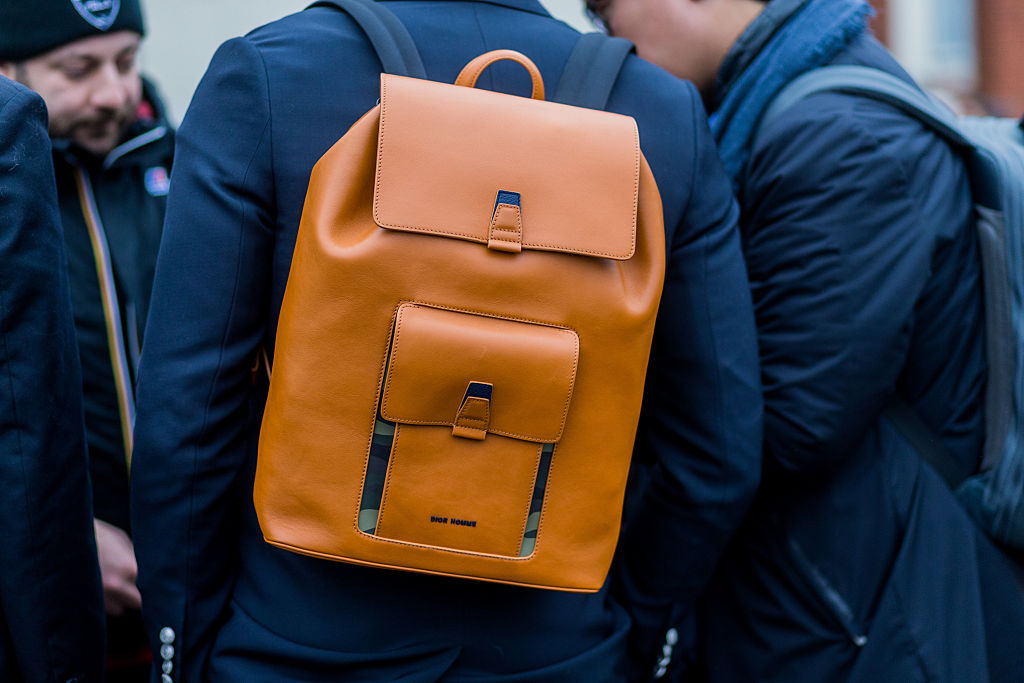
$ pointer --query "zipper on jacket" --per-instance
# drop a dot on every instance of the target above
(831, 598)
(134, 343)
(135, 143)
(111, 311)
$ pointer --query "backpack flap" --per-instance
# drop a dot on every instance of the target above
(463, 163)
(474, 400)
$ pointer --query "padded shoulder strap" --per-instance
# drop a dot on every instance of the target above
(872, 83)
(591, 71)
(389, 37)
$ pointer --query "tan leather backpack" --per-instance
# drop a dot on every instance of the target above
(464, 337)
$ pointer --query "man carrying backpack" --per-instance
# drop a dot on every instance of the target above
(223, 604)
(51, 608)
(856, 562)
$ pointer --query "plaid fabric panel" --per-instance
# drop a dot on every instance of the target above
(376, 472)
(533, 521)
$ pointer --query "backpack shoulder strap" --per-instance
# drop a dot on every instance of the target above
(591, 71)
(874, 84)
(389, 37)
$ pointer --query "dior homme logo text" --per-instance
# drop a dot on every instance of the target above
(457, 522)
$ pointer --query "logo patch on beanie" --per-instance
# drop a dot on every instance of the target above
(100, 13)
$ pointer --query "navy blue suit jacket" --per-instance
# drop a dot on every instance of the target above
(51, 607)
(270, 105)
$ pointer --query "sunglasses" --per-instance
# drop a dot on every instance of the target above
(597, 12)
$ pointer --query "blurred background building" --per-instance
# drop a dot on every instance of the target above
(970, 51)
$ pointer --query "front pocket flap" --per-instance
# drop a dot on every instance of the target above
(437, 355)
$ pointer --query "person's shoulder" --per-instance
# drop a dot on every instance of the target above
(834, 115)
(828, 131)
(311, 38)
(22, 118)
(829, 143)
(12, 92)
(307, 27)
(668, 110)
(9, 89)
(853, 114)
(655, 87)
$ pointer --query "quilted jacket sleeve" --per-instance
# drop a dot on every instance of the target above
(839, 254)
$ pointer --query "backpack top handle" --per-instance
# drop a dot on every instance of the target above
(471, 72)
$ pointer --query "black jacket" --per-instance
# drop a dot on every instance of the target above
(127, 191)
(51, 610)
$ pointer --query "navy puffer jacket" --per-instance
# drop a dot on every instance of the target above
(856, 563)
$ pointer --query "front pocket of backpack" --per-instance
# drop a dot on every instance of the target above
(478, 404)
(459, 494)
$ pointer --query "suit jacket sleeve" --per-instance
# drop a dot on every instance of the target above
(207, 319)
(51, 607)
(701, 422)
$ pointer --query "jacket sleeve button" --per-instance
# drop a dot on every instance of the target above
(164, 678)
(166, 635)
(167, 651)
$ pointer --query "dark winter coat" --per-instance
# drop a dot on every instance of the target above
(51, 607)
(857, 563)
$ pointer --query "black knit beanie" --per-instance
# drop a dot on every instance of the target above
(31, 27)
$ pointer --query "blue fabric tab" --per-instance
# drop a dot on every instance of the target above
(478, 389)
(506, 197)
